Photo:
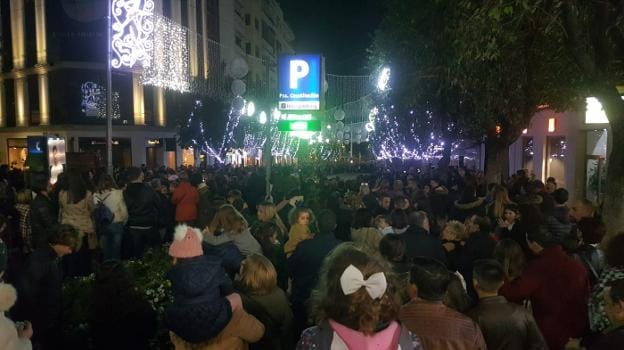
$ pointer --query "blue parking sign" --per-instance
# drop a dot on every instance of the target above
(300, 82)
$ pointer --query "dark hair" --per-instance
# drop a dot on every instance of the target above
(39, 182)
(513, 207)
(357, 311)
(239, 204)
(560, 196)
(392, 247)
(399, 219)
(196, 179)
(551, 180)
(263, 233)
(489, 274)
(75, 187)
(538, 185)
(431, 277)
(617, 290)
(235, 194)
(106, 182)
(362, 218)
(614, 250)
(134, 173)
(483, 223)
(510, 255)
(541, 236)
(456, 296)
(326, 221)
(66, 235)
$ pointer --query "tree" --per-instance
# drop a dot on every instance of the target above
(504, 58)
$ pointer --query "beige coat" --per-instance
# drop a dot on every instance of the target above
(241, 330)
(78, 215)
(369, 236)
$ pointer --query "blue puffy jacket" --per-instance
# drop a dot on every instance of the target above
(200, 310)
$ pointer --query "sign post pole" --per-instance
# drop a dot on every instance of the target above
(109, 95)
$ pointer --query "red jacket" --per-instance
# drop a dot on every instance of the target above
(185, 197)
(558, 288)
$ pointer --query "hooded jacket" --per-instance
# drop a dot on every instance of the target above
(465, 209)
(200, 310)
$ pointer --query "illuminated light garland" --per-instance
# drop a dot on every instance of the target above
(94, 101)
(169, 68)
(132, 37)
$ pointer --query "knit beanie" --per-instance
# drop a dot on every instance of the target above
(186, 242)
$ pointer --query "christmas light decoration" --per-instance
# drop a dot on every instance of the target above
(94, 100)
(169, 68)
(132, 38)
(383, 79)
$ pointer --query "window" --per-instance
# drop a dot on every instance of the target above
(257, 52)
(556, 151)
(248, 48)
(247, 19)
(257, 24)
(239, 42)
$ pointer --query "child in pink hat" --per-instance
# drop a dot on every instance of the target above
(203, 293)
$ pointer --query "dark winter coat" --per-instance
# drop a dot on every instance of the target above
(593, 259)
(205, 210)
(593, 229)
(231, 257)
(143, 204)
(558, 288)
(305, 263)
(559, 227)
(506, 326)
(43, 220)
(480, 245)
(200, 310)
(419, 243)
(39, 287)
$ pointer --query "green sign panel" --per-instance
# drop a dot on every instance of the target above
(299, 125)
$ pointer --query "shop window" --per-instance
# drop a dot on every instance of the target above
(596, 165)
(17, 150)
(556, 153)
(528, 152)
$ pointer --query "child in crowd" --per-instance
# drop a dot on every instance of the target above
(384, 224)
(229, 225)
(257, 282)
(300, 220)
(22, 206)
(355, 306)
(205, 309)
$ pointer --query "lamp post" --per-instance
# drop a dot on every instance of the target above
(109, 94)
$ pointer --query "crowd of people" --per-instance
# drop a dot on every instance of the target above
(387, 259)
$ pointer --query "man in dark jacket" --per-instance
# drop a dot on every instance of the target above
(40, 287)
(560, 315)
(142, 203)
(505, 326)
(558, 223)
(418, 242)
(305, 263)
(43, 217)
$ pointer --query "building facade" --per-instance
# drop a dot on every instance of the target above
(571, 147)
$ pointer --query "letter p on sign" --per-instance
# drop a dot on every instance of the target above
(299, 69)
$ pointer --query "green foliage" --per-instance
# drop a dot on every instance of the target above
(149, 277)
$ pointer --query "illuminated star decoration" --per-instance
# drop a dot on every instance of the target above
(133, 26)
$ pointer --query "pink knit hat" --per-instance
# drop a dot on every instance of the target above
(186, 242)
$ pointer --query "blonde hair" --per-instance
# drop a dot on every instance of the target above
(258, 275)
(23, 196)
(501, 200)
(270, 215)
(457, 228)
(229, 220)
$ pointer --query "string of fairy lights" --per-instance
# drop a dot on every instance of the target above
(357, 108)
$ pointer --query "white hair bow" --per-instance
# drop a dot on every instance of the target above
(352, 280)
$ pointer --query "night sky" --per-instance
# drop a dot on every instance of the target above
(341, 30)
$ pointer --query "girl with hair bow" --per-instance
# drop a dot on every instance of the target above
(355, 306)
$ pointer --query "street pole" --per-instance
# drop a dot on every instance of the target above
(109, 95)
(268, 144)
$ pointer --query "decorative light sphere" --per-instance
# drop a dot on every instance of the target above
(239, 87)
(340, 126)
(251, 109)
(383, 79)
(276, 114)
(339, 134)
(239, 68)
(262, 118)
(370, 127)
(238, 103)
(339, 115)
